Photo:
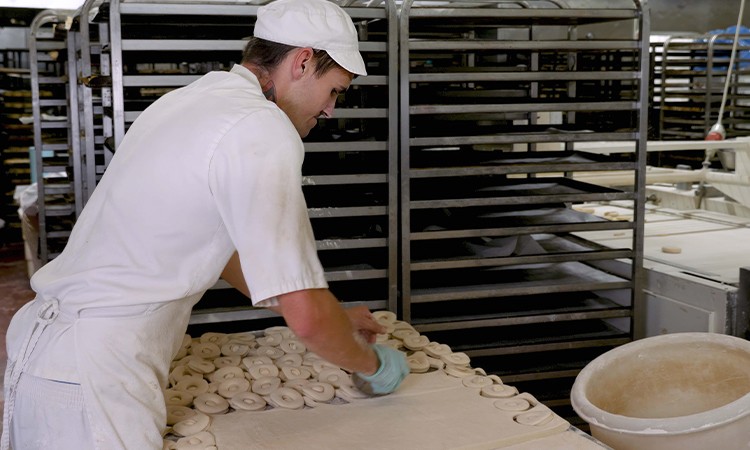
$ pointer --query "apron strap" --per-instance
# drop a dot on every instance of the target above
(47, 313)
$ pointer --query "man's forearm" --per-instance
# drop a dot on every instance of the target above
(319, 321)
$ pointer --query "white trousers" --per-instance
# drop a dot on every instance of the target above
(48, 415)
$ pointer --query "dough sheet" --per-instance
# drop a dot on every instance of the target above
(429, 411)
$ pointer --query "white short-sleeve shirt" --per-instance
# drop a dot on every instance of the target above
(207, 169)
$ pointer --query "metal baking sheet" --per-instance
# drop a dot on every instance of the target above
(448, 193)
(457, 285)
(450, 223)
(541, 308)
(472, 162)
(511, 339)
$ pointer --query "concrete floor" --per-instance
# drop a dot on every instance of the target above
(14, 292)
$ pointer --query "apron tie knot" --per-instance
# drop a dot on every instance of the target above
(48, 312)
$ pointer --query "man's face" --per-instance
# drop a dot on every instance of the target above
(312, 97)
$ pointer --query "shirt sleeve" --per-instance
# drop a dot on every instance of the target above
(255, 176)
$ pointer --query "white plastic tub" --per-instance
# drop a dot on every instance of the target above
(679, 391)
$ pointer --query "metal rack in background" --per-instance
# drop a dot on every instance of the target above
(15, 137)
(55, 146)
(350, 169)
(94, 89)
(494, 95)
(689, 73)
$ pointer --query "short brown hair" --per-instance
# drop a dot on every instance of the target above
(268, 55)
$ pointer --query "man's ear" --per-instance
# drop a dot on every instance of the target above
(302, 62)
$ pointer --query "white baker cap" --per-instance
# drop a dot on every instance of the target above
(319, 24)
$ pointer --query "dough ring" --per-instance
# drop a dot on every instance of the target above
(348, 392)
(177, 413)
(458, 371)
(284, 331)
(235, 349)
(198, 441)
(186, 341)
(292, 373)
(671, 250)
(496, 379)
(310, 402)
(384, 317)
(292, 346)
(194, 386)
(206, 350)
(499, 391)
(218, 339)
(416, 342)
(512, 404)
(287, 398)
(201, 366)
(289, 360)
(296, 383)
(226, 373)
(404, 333)
(401, 325)
(211, 403)
(476, 381)
(181, 353)
(168, 445)
(418, 362)
(336, 377)
(271, 352)
(251, 361)
(270, 340)
(213, 388)
(309, 358)
(456, 359)
(199, 422)
(436, 350)
(263, 371)
(227, 361)
(175, 397)
(180, 373)
(534, 417)
(228, 388)
(318, 391)
(266, 385)
(184, 361)
(247, 337)
(247, 401)
(322, 365)
(436, 363)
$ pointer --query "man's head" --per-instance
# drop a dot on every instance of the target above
(308, 51)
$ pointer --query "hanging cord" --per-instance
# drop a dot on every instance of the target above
(717, 132)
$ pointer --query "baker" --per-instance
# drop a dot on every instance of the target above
(206, 183)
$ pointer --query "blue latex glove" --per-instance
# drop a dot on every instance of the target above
(392, 371)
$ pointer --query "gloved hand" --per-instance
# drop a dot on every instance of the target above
(391, 372)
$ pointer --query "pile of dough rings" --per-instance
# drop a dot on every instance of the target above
(219, 373)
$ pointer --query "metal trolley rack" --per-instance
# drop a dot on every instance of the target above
(350, 171)
(93, 84)
(494, 94)
(689, 75)
(55, 146)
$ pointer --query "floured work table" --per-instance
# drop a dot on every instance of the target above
(260, 390)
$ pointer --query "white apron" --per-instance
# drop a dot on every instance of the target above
(123, 357)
